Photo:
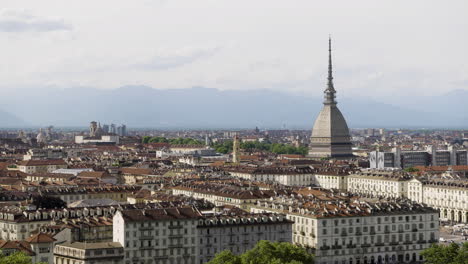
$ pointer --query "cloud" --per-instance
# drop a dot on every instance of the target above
(22, 21)
(174, 59)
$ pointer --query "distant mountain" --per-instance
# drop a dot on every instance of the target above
(198, 107)
(8, 120)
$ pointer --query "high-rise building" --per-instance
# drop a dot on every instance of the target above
(330, 134)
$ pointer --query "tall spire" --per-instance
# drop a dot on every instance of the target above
(330, 91)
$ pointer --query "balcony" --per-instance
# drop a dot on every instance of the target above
(393, 243)
(344, 234)
(407, 242)
(365, 245)
(336, 247)
(175, 226)
(414, 230)
(433, 241)
(180, 236)
(324, 248)
(144, 228)
(422, 242)
(176, 246)
(387, 231)
(372, 232)
(358, 234)
(350, 246)
(147, 237)
(380, 244)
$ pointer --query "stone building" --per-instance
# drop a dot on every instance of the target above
(89, 253)
(358, 231)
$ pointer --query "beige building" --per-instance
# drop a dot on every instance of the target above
(225, 194)
(359, 232)
(41, 166)
(379, 183)
(290, 176)
(183, 235)
(89, 253)
(448, 196)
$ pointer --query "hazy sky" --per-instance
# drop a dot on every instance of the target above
(380, 47)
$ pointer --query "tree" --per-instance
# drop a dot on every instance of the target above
(450, 254)
(16, 258)
(145, 139)
(226, 257)
(266, 252)
(48, 202)
(411, 169)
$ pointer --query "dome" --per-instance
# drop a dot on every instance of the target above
(330, 123)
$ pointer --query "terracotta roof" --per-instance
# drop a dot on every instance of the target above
(136, 171)
(17, 246)
(41, 162)
(40, 238)
(93, 174)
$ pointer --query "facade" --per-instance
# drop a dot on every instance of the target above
(239, 233)
(89, 253)
(330, 134)
(183, 235)
(157, 235)
(106, 139)
(18, 224)
(448, 196)
(284, 175)
(407, 159)
(41, 166)
(40, 154)
(359, 232)
(224, 194)
(375, 183)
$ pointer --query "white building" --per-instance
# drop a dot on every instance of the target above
(183, 235)
(448, 196)
(379, 183)
(97, 139)
(284, 175)
(359, 232)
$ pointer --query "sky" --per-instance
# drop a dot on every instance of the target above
(381, 49)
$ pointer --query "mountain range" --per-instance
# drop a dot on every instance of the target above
(199, 107)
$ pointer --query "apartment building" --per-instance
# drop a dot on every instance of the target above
(89, 253)
(379, 183)
(183, 235)
(291, 176)
(449, 196)
(41, 166)
(358, 231)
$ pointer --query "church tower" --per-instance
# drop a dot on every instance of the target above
(330, 134)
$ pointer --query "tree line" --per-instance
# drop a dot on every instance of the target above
(277, 148)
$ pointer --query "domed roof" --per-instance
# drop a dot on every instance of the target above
(330, 123)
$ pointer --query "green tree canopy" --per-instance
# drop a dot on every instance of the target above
(277, 148)
(16, 258)
(266, 252)
(450, 254)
